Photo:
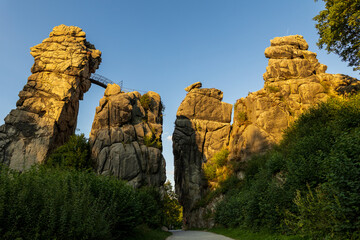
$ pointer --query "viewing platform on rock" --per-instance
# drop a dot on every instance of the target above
(102, 81)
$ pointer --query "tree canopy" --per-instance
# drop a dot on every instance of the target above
(339, 27)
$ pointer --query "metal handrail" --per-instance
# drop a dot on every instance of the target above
(100, 80)
(103, 82)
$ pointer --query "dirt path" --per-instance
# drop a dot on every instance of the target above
(195, 235)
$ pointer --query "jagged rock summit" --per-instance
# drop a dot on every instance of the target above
(294, 81)
(202, 128)
(125, 138)
(46, 113)
(289, 58)
(193, 86)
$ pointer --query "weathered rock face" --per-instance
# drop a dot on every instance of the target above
(294, 81)
(47, 110)
(125, 138)
(202, 128)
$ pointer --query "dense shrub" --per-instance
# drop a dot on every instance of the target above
(217, 169)
(160, 208)
(313, 172)
(172, 210)
(49, 203)
(314, 218)
(331, 209)
(145, 102)
(75, 154)
(151, 206)
(241, 118)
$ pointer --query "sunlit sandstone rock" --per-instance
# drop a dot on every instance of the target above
(294, 81)
(202, 128)
(46, 112)
(125, 137)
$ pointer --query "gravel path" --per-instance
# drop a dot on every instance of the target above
(195, 235)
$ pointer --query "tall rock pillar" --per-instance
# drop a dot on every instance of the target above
(125, 138)
(202, 128)
(46, 113)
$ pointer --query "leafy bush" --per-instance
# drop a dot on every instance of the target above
(145, 101)
(49, 203)
(159, 208)
(151, 206)
(343, 180)
(273, 89)
(217, 169)
(241, 118)
(172, 209)
(75, 154)
(152, 141)
(314, 218)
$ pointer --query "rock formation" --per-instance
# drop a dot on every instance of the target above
(202, 128)
(46, 113)
(125, 138)
(294, 81)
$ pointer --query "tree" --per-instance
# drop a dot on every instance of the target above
(339, 27)
(73, 154)
(172, 209)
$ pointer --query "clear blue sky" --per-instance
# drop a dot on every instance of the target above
(160, 45)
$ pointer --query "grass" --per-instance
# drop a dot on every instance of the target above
(243, 234)
(143, 232)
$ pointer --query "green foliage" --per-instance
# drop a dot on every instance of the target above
(152, 141)
(217, 169)
(339, 26)
(220, 158)
(73, 154)
(225, 187)
(160, 208)
(273, 89)
(151, 206)
(145, 101)
(53, 203)
(309, 142)
(343, 180)
(172, 209)
(241, 117)
(315, 217)
(246, 234)
(320, 153)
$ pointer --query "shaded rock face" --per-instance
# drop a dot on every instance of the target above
(125, 138)
(202, 128)
(294, 81)
(46, 113)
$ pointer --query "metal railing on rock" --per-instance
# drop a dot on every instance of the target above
(103, 82)
(100, 80)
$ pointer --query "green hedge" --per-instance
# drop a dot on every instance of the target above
(46, 203)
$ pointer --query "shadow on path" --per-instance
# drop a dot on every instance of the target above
(195, 235)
